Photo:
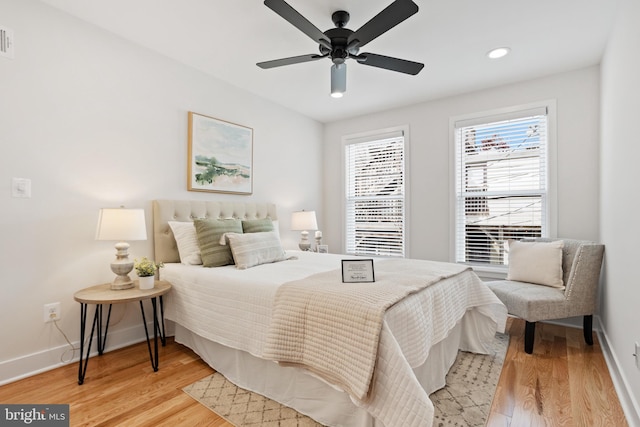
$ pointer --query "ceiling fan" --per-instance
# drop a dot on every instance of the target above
(340, 43)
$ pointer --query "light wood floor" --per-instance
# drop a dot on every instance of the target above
(564, 383)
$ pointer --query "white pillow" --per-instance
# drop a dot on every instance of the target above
(187, 241)
(536, 262)
(253, 249)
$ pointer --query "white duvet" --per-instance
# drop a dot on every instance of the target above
(233, 307)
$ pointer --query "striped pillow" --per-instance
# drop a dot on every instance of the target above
(209, 231)
(254, 249)
(257, 225)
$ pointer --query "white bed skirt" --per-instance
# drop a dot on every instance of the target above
(309, 395)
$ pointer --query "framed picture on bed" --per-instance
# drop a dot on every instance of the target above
(220, 156)
(357, 271)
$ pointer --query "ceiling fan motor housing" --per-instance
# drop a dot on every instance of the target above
(339, 36)
(339, 39)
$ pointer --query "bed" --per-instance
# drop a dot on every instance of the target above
(227, 316)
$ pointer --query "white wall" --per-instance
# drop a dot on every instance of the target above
(577, 95)
(95, 121)
(620, 204)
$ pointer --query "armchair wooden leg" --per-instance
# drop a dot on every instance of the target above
(529, 333)
(588, 329)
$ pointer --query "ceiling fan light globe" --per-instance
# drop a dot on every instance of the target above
(338, 80)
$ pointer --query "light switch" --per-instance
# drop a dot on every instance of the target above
(21, 187)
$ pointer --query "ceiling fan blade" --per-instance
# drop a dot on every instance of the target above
(391, 16)
(389, 63)
(289, 61)
(283, 9)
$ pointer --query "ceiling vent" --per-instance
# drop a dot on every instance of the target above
(6, 42)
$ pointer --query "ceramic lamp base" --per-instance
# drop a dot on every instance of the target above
(304, 244)
(122, 282)
(121, 266)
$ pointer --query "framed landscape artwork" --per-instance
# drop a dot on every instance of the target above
(220, 157)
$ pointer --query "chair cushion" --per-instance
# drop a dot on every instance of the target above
(536, 262)
(530, 301)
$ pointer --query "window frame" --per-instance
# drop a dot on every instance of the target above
(488, 116)
(370, 136)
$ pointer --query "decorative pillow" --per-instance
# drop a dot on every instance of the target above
(253, 249)
(209, 232)
(257, 225)
(185, 235)
(536, 262)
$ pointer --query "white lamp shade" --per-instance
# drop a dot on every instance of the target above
(304, 220)
(121, 224)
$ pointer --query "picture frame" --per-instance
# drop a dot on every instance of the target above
(357, 271)
(220, 156)
(323, 249)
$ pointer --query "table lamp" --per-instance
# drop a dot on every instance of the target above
(121, 224)
(304, 221)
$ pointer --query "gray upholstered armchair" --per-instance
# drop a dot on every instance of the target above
(581, 264)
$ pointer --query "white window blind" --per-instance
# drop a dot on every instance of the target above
(375, 196)
(501, 184)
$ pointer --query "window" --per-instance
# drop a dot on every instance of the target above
(375, 195)
(501, 185)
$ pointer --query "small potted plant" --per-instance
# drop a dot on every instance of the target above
(146, 271)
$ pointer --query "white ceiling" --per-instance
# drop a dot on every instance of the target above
(225, 38)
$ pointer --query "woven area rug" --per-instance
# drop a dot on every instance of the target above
(471, 384)
(464, 402)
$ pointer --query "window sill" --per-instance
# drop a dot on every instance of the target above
(490, 273)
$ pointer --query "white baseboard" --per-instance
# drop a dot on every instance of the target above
(35, 363)
(629, 405)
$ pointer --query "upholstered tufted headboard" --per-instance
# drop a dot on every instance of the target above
(164, 211)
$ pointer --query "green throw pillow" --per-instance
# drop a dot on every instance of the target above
(209, 232)
(253, 249)
(257, 225)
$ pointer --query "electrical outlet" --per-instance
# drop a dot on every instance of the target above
(52, 312)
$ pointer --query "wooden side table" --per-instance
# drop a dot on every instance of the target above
(103, 294)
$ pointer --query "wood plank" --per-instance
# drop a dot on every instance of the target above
(565, 382)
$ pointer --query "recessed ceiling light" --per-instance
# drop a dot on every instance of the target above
(498, 52)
